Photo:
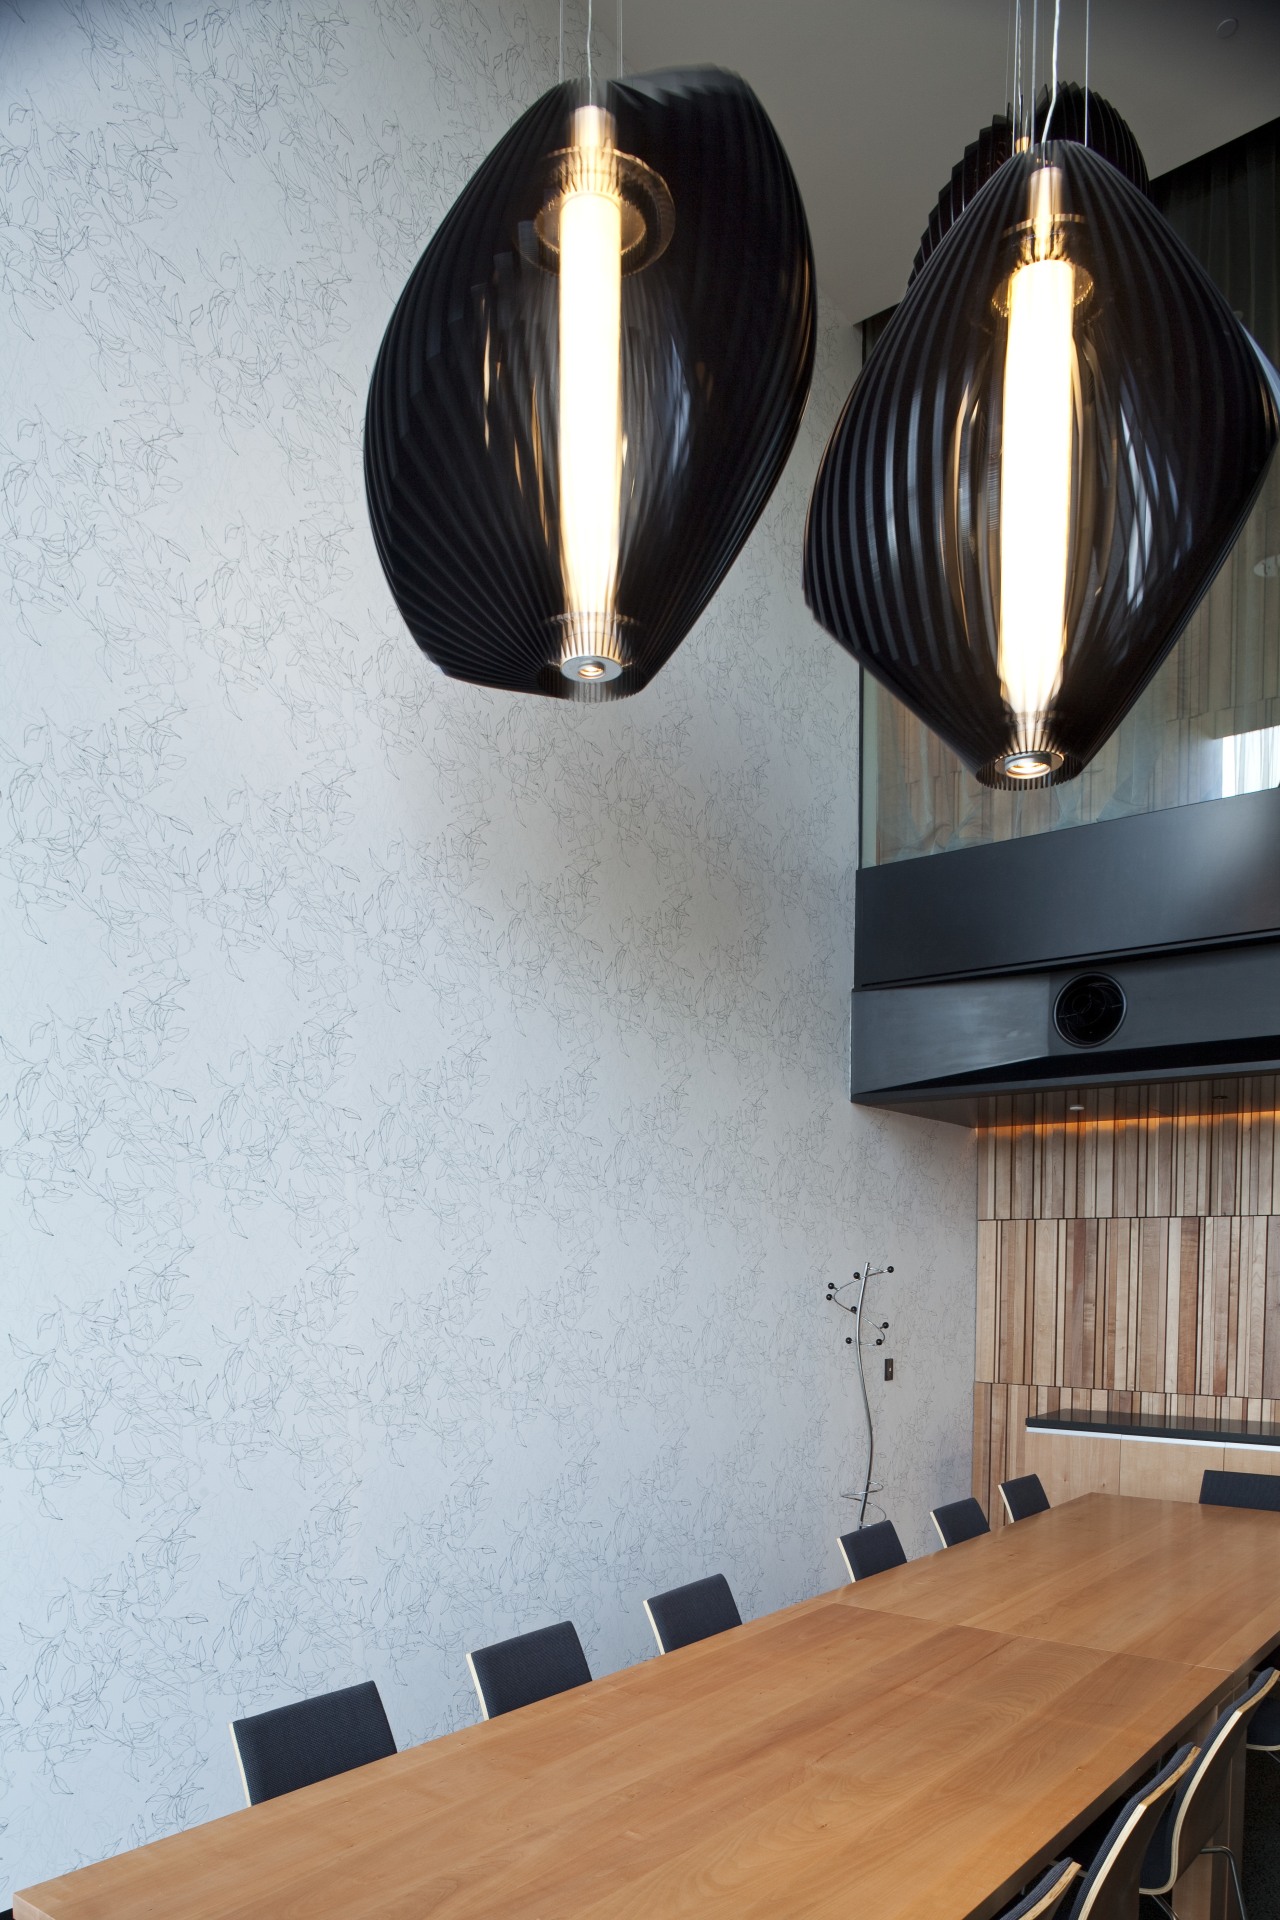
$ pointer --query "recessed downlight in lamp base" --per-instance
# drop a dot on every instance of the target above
(590, 667)
(591, 647)
(1033, 764)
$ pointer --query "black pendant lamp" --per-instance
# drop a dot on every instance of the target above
(1045, 461)
(591, 384)
(1076, 115)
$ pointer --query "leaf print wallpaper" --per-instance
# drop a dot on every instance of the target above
(424, 1139)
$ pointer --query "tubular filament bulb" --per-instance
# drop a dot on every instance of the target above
(1035, 477)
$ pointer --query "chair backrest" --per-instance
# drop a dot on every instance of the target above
(1024, 1496)
(1264, 1728)
(959, 1520)
(530, 1666)
(1048, 1893)
(695, 1612)
(1221, 1489)
(1190, 1820)
(1109, 1890)
(310, 1740)
(872, 1549)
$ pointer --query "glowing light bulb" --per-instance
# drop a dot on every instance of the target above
(1035, 479)
(590, 398)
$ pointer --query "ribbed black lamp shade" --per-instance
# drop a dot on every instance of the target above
(1076, 115)
(1043, 465)
(591, 384)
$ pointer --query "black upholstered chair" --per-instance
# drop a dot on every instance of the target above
(959, 1520)
(695, 1612)
(310, 1740)
(1024, 1496)
(1194, 1814)
(532, 1666)
(1222, 1489)
(1047, 1895)
(1109, 1890)
(872, 1549)
(1264, 1730)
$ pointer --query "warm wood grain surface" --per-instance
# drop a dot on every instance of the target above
(1128, 1262)
(831, 1760)
(913, 1746)
(1166, 1578)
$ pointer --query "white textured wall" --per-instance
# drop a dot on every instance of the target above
(423, 1132)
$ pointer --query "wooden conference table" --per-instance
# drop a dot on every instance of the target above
(912, 1747)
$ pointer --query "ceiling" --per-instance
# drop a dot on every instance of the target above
(876, 99)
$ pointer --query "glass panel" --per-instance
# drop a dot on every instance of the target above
(1209, 722)
(1251, 761)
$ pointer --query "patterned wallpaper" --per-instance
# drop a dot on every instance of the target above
(424, 1140)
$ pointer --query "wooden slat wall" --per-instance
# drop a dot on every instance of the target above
(1128, 1259)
